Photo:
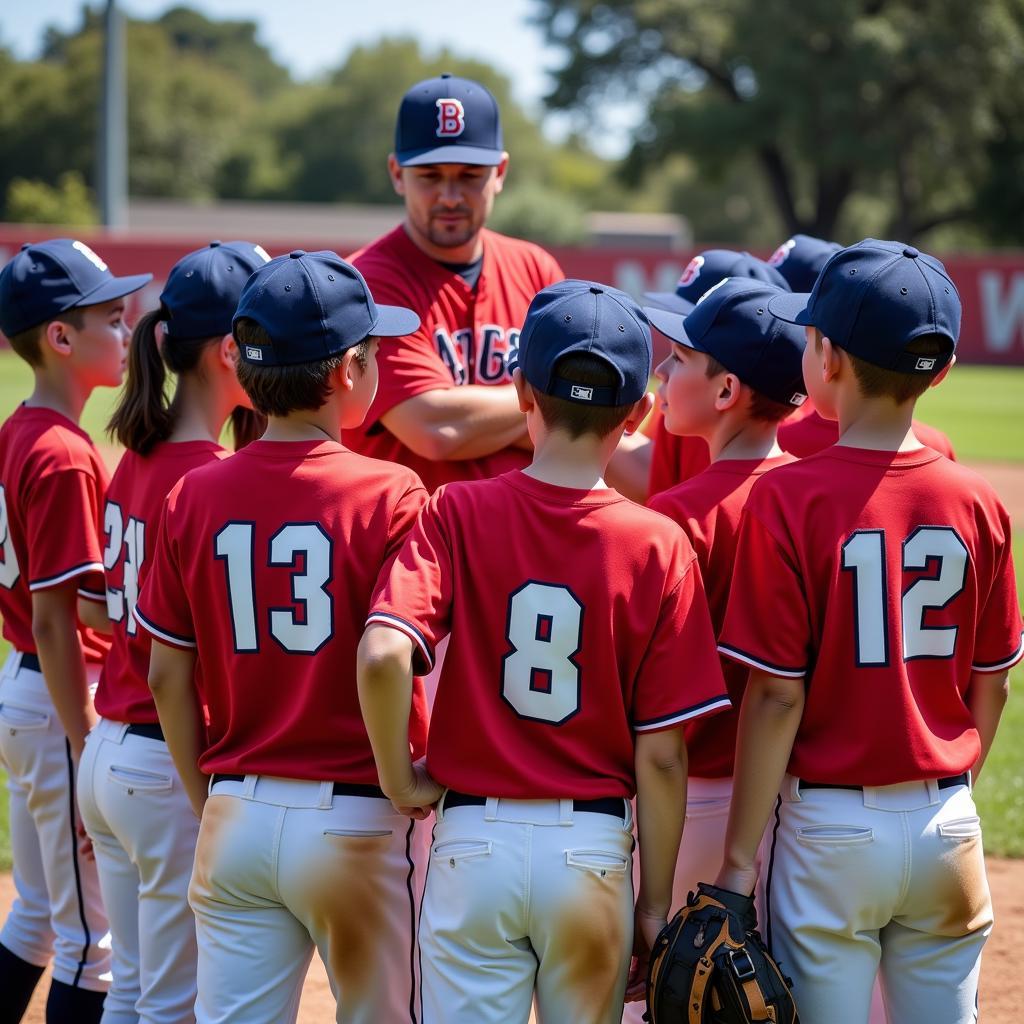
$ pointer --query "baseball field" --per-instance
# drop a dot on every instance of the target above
(979, 408)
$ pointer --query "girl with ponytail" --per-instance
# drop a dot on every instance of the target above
(133, 806)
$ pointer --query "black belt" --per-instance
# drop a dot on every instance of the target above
(613, 805)
(31, 662)
(947, 783)
(150, 730)
(340, 788)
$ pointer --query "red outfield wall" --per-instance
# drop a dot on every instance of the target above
(990, 284)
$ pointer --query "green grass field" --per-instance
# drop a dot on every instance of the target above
(978, 407)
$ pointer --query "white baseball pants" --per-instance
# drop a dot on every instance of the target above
(891, 877)
(284, 865)
(58, 912)
(526, 895)
(143, 831)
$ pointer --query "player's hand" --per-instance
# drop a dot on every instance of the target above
(84, 843)
(417, 799)
(739, 878)
(646, 928)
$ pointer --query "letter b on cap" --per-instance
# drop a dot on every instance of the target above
(451, 118)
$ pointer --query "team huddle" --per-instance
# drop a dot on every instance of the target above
(469, 616)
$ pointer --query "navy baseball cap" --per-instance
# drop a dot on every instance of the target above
(732, 324)
(202, 290)
(48, 278)
(314, 305)
(799, 260)
(582, 316)
(448, 120)
(873, 298)
(705, 270)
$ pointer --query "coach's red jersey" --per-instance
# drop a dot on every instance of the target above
(885, 578)
(708, 508)
(131, 514)
(52, 482)
(577, 618)
(675, 459)
(804, 435)
(465, 337)
(265, 563)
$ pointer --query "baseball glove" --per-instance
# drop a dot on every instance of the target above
(710, 966)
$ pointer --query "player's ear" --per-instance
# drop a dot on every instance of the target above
(641, 410)
(227, 352)
(729, 392)
(523, 391)
(831, 359)
(499, 178)
(941, 375)
(348, 371)
(395, 174)
(56, 336)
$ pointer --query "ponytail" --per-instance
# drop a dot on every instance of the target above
(247, 425)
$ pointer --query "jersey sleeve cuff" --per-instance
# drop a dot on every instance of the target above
(163, 635)
(759, 663)
(45, 582)
(999, 666)
(387, 619)
(719, 703)
(100, 597)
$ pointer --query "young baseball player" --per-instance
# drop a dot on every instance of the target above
(677, 457)
(262, 575)
(63, 313)
(733, 374)
(799, 260)
(133, 804)
(560, 695)
(874, 601)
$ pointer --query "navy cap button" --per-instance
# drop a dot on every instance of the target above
(26, 245)
(446, 74)
(911, 252)
(594, 290)
(296, 253)
(215, 243)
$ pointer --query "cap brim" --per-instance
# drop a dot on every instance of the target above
(114, 288)
(670, 301)
(793, 307)
(450, 155)
(395, 322)
(670, 324)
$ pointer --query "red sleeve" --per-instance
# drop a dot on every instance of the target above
(163, 606)
(766, 622)
(62, 529)
(415, 597)
(551, 271)
(664, 696)
(998, 643)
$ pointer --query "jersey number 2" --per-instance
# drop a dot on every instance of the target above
(295, 543)
(864, 556)
(539, 678)
(133, 536)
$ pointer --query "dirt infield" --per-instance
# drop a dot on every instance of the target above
(1002, 981)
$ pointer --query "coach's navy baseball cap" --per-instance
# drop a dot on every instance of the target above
(314, 305)
(48, 278)
(582, 316)
(448, 120)
(875, 297)
(202, 290)
(705, 270)
(732, 324)
(799, 260)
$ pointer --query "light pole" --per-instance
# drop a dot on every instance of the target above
(112, 148)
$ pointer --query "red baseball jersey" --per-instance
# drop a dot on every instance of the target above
(708, 508)
(52, 482)
(885, 579)
(265, 563)
(577, 618)
(805, 435)
(675, 459)
(465, 337)
(131, 514)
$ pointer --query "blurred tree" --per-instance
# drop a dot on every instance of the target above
(890, 99)
(35, 202)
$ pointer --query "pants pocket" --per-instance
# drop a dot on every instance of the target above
(359, 833)
(20, 716)
(834, 835)
(132, 779)
(961, 828)
(456, 850)
(601, 862)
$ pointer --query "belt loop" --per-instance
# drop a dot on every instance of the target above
(439, 808)
(565, 810)
(249, 787)
(209, 785)
(933, 790)
(791, 789)
(491, 809)
(326, 795)
(122, 731)
(627, 813)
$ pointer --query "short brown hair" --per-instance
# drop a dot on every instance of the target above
(762, 408)
(876, 382)
(577, 418)
(28, 343)
(280, 390)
